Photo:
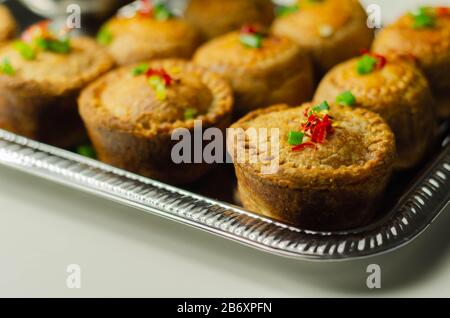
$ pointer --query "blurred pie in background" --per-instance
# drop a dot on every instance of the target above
(332, 31)
(147, 30)
(215, 18)
(7, 24)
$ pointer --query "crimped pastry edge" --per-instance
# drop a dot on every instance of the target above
(334, 177)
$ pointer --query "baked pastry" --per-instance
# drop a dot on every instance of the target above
(215, 18)
(331, 165)
(397, 90)
(7, 24)
(263, 69)
(423, 36)
(331, 30)
(132, 112)
(144, 31)
(40, 78)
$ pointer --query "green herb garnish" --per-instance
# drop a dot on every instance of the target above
(6, 67)
(321, 108)
(296, 138)
(25, 50)
(140, 69)
(346, 99)
(162, 13)
(158, 84)
(423, 18)
(87, 151)
(190, 113)
(252, 40)
(104, 36)
(282, 11)
(54, 45)
(366, 64)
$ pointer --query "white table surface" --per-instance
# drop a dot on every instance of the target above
(122, 252)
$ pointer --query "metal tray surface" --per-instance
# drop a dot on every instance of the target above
(413, 213)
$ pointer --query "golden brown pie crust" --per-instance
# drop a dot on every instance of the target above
(429, 47)
(332, 187)
(346, 20)
(8, 26)
(215, 18)
(142, 38)
(399, 93)
(278, 72)
(39, 100)
(132, 130)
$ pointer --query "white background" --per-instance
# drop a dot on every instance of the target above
(45, 227)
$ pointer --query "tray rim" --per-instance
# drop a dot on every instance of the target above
(250, 229)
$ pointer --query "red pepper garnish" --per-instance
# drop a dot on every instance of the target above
(249, 29)
(364, 51)
(145, 8)
(44, 30)
(304, 145)
(381, 61)
(253, 29)
(443, 12)
(316, 127)
(321, 129)
(168, 80)
(40, 29)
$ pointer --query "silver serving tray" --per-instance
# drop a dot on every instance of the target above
(414, 212)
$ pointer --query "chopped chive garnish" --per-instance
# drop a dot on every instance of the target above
(190, 113)
(282, 11)
(104, 36)
(87, 151)
(25, 50)
(6, 67)
(52, 45)
(157, 83)
(346, 99)
(59, 46)
(140, 69)
(423, 18)
(366, 64)
(161, 92)
(251, 40)
(295, 138)
(322, 107)
(162, 13)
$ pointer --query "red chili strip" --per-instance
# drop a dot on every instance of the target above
(443, 12)
(303, 146)
(168, 80)
(146, 8)
(249, 29)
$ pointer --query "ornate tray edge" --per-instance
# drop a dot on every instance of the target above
(417, 209)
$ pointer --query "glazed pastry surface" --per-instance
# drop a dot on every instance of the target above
(38, 95)
(139, 39)
(360, 141)
(7, 24)
(278, 71)
(58, 73)
(128, 102)
(332, 186)
(131, 100)
(131, 126)
(398, 92)
(430, 47)
(331, 30)
(215, 18)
